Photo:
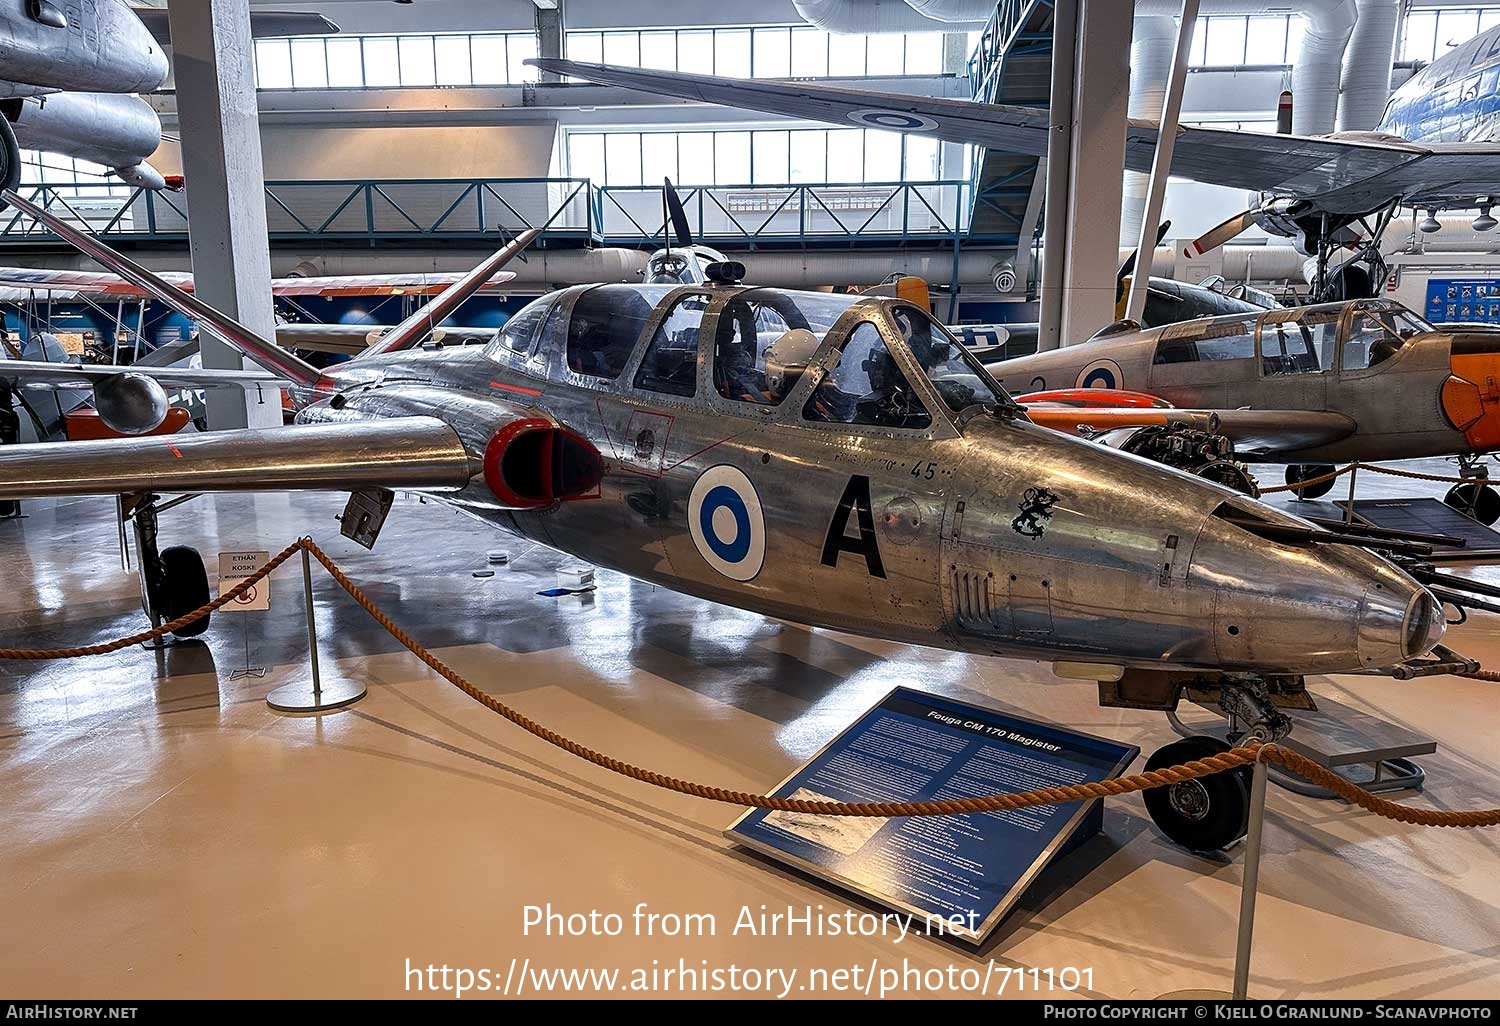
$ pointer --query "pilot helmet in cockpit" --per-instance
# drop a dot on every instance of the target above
(787, 358)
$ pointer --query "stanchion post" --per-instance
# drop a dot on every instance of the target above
(312, 625)
(300, 697)
(1251, 883)
(1349, 505)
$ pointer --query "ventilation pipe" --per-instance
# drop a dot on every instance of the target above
(955, 12)
(1152, 42)
(1366, 82)
(876, 16)
(1315, 74)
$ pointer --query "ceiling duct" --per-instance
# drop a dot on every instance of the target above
(959, 15)
(879, 16)
(1328, 25)
(1365, 86)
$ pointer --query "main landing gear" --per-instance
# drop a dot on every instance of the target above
(1476, 499)
(174, 581)
(1296, 473)
(1210, 813)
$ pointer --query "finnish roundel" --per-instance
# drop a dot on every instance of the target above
(726, 522)
(1101, 374)
(894, 120)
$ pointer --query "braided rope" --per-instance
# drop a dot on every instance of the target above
(1415, 475)
(40, 654)
(1220, 763)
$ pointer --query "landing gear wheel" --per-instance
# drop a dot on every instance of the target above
(1476, 501)
(184, 587)
(1297, 473)
(1207, 814)
(10, 159)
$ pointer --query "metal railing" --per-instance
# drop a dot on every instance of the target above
(568, 210)
(849, 212)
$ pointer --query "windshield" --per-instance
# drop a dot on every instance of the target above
(958, 377)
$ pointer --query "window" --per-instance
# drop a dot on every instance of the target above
(1301, 344)
(866, 387)
(670, 365)
(748, 327)
(1206, 341)
(603, 329)
(954, 373)
(273, 64)
(1377, 335)
(1229, 40)
(520, 331)
(406, 60)
(1430, 32)
(760, 157)
(796, 51)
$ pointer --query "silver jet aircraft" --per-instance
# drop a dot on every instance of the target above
(837, 461)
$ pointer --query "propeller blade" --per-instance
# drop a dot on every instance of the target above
(676, 214)
(1220, 234)
(1128, 267)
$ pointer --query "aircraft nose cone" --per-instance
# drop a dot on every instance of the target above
(1398, 624)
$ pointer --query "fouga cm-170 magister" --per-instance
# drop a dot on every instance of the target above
(837, 461)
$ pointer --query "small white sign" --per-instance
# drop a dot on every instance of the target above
(234, 567)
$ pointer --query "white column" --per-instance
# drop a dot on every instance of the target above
(214, 62)
(1101, 91)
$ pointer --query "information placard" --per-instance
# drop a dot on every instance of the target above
(1469, 300)
(234, 567)
(967, 871)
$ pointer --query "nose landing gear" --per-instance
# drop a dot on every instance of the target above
(174, 581)
(1211, 813)
(1476, 499)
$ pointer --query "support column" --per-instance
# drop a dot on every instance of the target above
(549, 34)
(1101, 91)
(214, 62)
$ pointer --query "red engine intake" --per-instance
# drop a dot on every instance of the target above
(533, 463)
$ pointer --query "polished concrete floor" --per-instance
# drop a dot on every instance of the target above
(166, 835)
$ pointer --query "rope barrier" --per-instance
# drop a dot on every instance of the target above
(1220, 763)
(1415, 475)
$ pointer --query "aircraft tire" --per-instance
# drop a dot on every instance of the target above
(1297, 472)
(1476, 501)
(10, 155)
(1207, 814)
(184, 587)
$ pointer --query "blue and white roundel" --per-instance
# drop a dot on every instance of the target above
(893, 120)
(1100, 374)
(728, 527)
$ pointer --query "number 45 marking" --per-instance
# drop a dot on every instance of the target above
(923, 471)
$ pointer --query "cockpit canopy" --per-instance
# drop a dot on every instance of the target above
(1349, 337)
(879, 362)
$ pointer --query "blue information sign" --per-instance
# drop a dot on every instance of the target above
(966, 871)
(1463, 300)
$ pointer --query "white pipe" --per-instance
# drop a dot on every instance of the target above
(1150, 62)
(1264, 263)
(1316, 71)
(873, 16)
(955, 12)
(1366, 82)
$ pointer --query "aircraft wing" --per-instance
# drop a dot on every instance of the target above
(405, 452)
(1258, 432)
(67, 376)
(1356, 173)
(356, 338)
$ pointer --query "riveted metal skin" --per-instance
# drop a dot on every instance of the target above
(980, 531)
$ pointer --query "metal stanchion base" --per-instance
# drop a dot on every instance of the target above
(299, 697)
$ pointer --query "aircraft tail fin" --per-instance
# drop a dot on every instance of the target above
(264, 352)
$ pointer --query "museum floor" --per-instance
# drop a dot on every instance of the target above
(168, 835)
